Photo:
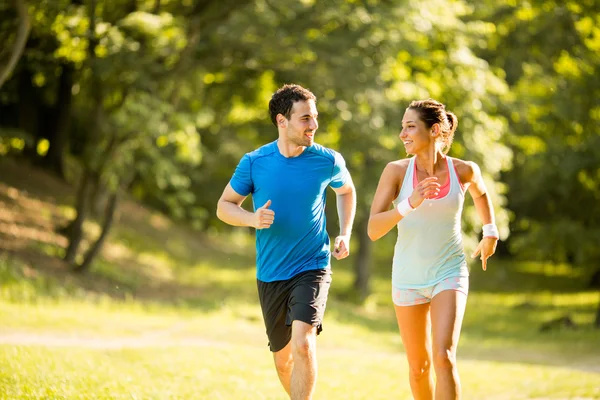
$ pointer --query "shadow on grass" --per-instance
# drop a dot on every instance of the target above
(34, 182)
(509, 276)
(142, 259)
(381, 321)
(30, 276)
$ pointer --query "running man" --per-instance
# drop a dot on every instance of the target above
(288, 179)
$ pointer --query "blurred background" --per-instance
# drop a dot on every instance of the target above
(122, 121)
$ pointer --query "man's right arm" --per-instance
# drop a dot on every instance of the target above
(230, 211)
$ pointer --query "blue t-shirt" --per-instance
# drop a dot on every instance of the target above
(298, 240)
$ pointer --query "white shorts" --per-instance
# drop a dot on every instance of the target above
(412, 297)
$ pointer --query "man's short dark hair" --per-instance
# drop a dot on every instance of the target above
(284, 98)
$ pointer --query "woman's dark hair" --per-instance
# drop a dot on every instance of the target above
(433, 112)
(284, 98)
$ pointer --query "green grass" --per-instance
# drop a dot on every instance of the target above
(245, 372)
(78, 341)
(166, 313)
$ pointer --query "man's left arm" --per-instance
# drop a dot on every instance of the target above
(346, 206)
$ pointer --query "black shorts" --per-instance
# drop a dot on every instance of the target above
(301, 298)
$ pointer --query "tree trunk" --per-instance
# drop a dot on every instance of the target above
(90, 202)
(597, 321)
(96, 247)
(28, 114)
(75, 228)
(59, 133)
(22, 35)
(89, 176)
(362, 268)
(98, 199)
(363, 259)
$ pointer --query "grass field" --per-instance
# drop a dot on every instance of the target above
(167, 313)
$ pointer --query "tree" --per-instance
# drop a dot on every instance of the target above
(118, 73)
(554, 119)
(20, 40)
(366, 61)
(165, 97)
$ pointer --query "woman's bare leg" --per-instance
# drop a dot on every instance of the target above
(447, 312)
(415, 328)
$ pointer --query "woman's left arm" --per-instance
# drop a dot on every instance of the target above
(471, 174)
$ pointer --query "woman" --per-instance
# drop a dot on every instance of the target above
(430, 279)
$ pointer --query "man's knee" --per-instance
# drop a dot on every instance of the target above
(284, 362)
(304, 340)
(303, 346)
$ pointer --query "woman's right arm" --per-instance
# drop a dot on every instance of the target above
(382, 219)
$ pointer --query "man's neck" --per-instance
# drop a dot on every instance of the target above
(289, 150)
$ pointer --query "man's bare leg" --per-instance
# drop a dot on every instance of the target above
(304, 354)
(284, 363)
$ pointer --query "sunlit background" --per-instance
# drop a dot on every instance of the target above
(122, 121)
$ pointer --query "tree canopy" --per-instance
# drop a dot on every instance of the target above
(161, 98)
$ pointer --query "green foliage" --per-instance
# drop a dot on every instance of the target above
(365, 63)
(554, 119)
(184, 87)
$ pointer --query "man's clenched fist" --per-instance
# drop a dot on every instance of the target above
(263, 217)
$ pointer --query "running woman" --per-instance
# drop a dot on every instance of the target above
(430, 279)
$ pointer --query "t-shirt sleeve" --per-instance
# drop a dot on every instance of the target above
(340, 174)
(241, 181)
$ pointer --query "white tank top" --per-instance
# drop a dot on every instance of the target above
(429, 248)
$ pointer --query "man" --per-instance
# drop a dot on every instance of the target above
(288, 179)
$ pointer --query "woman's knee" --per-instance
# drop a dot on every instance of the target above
(444, 359)
(419, 369)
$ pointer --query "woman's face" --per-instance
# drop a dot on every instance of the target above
(414, 135)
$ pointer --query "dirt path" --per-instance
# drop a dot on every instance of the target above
(67, 340)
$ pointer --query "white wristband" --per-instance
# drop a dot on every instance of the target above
(491, 230)
(404, 207)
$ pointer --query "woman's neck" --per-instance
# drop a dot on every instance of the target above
(429, 163)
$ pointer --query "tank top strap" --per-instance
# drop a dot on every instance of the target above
(407, 184)
(453, 175)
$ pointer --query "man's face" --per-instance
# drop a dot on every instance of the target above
(303, 125)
